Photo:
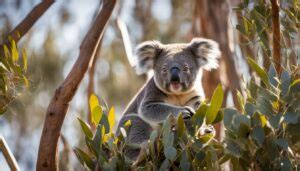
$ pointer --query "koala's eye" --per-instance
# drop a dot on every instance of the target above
(186, 68)
(164, 69)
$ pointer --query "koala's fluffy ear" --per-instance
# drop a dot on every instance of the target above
(207, 52)
(146, 54)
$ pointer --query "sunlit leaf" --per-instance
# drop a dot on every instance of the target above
(14, 50)
(111, 118)
(93, 101)
(97, 114)
(127, 123)
(216, 103)
(295, 86)
(260, 72)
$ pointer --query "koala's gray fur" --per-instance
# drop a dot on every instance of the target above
(175, 87)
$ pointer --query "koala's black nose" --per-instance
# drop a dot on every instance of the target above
(175, 74)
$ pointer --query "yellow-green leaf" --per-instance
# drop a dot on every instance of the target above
(216, 103)
(26, 82)
(127, 123)
(96, 115)
(260, 72)
(180, 124)
(24, 55)
(86, 128)
(111, 118)
(93, 102)
(14, 50)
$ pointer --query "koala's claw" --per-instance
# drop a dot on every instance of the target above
(188, 113)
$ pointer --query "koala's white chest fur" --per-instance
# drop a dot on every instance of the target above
(189, 99)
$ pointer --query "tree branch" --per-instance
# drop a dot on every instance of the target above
(276, 35)
(9, 157)
(20, 30)
(57, 109)
(126, 41)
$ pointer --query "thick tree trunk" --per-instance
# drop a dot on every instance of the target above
(214, 16)
(20, 30)
(57, 109)
(213, 19)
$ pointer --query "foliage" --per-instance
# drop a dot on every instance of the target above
(13, 67)
(265, 135)
(255, 26)
(175, 145)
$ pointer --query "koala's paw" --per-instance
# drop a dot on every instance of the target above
(188, 112)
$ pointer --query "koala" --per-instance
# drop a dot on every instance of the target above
(174, 88)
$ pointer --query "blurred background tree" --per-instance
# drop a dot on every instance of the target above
(53, 42)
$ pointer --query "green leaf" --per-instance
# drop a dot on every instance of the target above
(105, 123)
(200, 156)
(249, 109)
(275, 120)
(165, 165)
(97, 114)
(216, 103)
(285, 80)
(85, 128)
(295, 86)
(219, 117)
(241, 119)
(291, 116)
(184, 161)
(240, 99)
(264, 106)
(232, 148)
(258, 135)
(198, 118)
(260, 72)
(229, 114)
(180, 125)
(83, 157)
(153, 136)
(283, 143)
(272, 75)
(244, 130)
(97, 140)
(286, 164)
(205, 138)
(170, 153)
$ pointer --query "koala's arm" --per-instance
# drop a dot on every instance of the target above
(153, 108)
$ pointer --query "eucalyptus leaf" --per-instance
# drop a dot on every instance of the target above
(258, 135)
(260, 72)
(86, 128)
(216, 103)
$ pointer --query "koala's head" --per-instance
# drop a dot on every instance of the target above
(177, 67)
